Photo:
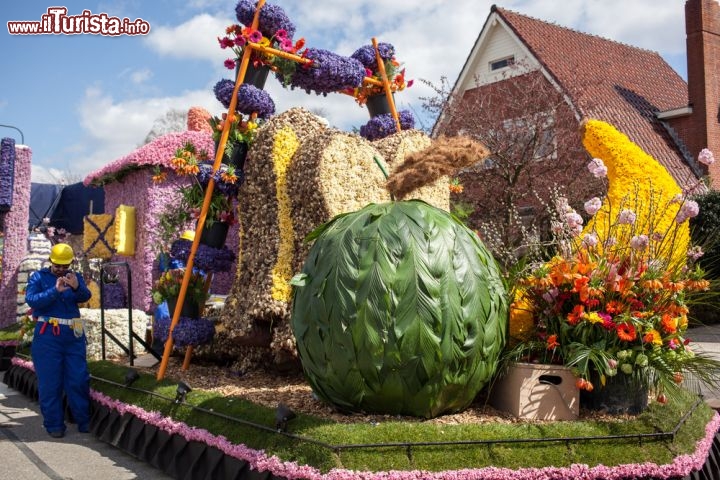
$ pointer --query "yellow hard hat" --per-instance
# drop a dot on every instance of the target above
(188, 235)
(61, 254)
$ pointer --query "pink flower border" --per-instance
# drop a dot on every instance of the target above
(681, 466)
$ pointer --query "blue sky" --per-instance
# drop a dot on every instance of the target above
(82, 101)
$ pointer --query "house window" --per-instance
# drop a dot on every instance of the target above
(502, 63)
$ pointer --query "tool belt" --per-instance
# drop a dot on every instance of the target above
(77, 324)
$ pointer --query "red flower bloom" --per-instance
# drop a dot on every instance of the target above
(575, 316)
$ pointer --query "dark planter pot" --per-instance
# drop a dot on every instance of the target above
(378, 105)
(619, 395)
(215, 235)
(237, 159)
(255, 76)
(190, 309)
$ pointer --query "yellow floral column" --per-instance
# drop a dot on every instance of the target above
(284, 147)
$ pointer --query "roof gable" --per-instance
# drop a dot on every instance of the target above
(496, 41)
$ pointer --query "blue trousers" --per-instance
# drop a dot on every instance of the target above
(61, 365)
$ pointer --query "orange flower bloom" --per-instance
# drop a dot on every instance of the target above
(679, 310)
(626, 332)
(653, 336)
(698, 285)
(177, 162)
(624, 287)
(190, 169)
(674, 286)
(455, 188)
(580, 283)
(159, 177)
(552, 342)
(652, 284)
(595, 292)
(580, 286)
(228, 177)
(669, 324)
(575, 316)
(614, 307)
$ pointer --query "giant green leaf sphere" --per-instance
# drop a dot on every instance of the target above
(399, 309)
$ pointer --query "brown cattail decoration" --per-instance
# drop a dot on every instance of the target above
(445, 156)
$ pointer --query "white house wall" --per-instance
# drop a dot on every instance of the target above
(495, 42)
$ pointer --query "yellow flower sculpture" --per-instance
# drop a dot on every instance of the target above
(636, 181)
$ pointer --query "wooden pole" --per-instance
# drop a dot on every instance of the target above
(386, 84)
(278, 53)
(206, 202)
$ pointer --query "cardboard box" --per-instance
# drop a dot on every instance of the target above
(537, 392)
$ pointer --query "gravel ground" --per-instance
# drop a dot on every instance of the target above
(293, 391)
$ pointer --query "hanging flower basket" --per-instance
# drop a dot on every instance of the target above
(237, 158)
(380, 126)
(207, 259)
(187, 332)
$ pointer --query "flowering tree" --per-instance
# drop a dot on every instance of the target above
(533, 136)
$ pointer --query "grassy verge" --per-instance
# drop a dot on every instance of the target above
(616, 451)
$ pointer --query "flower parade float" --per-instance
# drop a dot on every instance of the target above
(174, 434)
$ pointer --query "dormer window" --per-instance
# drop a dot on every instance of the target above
(502, 63)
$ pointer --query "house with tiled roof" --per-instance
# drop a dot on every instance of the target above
(633, 89)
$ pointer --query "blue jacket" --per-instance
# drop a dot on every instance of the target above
(42, 296)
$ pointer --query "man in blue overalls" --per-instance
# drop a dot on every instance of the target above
(59, 344)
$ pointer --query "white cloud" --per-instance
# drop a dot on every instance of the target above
(648, 24)
(195, 38)
(116, 128)
(40, 174)
(140, 76)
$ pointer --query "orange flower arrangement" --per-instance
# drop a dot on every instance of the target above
(608, 308)
(614, 299)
